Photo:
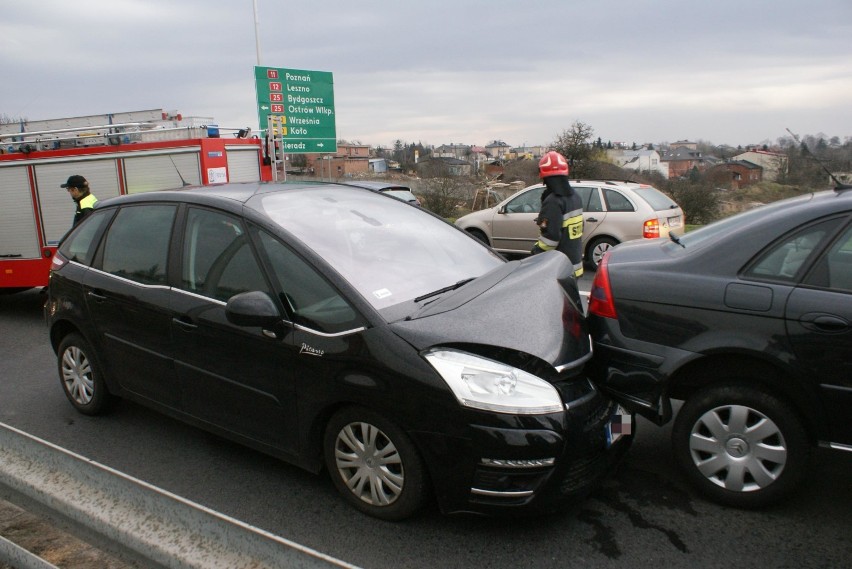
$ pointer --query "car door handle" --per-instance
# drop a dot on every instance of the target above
(185, 324)
(824, 322)
(97, 295)
(592, 219)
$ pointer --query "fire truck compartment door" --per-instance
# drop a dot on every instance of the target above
(57, 207)
(18, 235)
(162, 172)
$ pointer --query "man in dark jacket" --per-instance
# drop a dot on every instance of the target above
(78, 189)
(561, 216)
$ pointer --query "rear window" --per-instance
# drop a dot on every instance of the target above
(655, 198)
(404, 195)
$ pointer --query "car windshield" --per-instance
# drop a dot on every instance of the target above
(390, 252)
(655, 198)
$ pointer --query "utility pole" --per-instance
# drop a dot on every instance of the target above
(256, 34)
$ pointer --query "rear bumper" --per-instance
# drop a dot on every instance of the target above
(634, 379)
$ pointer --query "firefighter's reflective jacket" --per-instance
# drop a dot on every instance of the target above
(85, 206)
(561, 221)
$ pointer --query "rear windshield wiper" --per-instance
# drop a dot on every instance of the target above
(443, 290)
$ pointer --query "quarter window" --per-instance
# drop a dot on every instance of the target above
(137, 244)
(80, 246)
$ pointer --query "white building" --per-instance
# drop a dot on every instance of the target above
(641, 161)
(773, 163)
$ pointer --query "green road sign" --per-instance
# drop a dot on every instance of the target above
(300, 104)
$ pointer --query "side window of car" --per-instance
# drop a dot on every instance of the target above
(217, 258)
(786, 257)
(308, 295)
(528, 202)
(80, 246)
(616, 201)
(591, 198)
(834, 268)
(137, 243)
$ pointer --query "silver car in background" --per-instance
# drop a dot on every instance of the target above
(613, 212)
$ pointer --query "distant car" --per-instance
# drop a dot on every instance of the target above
(749, 321)
(335, 328)
(614, 212)
(403, 193)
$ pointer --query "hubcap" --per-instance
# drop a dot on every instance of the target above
(77, 375)
(738, 448)
(599, 251)
(369, 464)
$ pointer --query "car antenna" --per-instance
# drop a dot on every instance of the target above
(840, 185)
(184, 182)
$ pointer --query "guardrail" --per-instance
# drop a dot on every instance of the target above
(161, 527)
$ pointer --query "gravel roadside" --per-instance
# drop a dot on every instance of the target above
(40, 536)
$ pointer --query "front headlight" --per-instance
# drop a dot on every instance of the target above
(485, 384)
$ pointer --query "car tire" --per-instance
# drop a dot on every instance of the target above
(740, 446)
(596, 249)
(374, 465)
(479, 235)
(81, 377)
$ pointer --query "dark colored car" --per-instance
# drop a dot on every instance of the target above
(400, 192)
(749, 321)
(330, 326)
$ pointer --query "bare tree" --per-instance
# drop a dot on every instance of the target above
(575, 145)
(443, 195)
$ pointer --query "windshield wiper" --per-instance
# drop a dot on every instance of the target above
(443, 290)
(676, 239)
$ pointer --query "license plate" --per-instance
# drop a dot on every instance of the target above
(620, 425)
(674, 221)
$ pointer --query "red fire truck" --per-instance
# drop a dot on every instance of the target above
(121, 153)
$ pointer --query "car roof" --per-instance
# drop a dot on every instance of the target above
(239, 192)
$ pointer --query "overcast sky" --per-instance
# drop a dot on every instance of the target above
(436, 71)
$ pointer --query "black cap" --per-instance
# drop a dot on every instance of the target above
(75, 181)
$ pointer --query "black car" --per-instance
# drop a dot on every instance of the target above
(749, 321)
(330, 326)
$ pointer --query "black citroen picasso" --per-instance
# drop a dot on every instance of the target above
(331, 326)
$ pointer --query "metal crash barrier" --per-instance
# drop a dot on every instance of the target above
(154, 524)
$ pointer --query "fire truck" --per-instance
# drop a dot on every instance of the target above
(120, 153)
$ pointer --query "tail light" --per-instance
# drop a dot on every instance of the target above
(651, 229)
(57, 262)
(601, 302)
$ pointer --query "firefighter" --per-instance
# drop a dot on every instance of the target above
(561, 218)
(78, 188)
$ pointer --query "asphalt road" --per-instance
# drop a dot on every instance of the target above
(645, 515)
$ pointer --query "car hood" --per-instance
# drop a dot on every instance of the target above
(523, 305)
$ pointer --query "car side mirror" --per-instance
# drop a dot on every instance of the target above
(254, 308)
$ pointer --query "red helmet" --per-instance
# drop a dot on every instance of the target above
(553, 164)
